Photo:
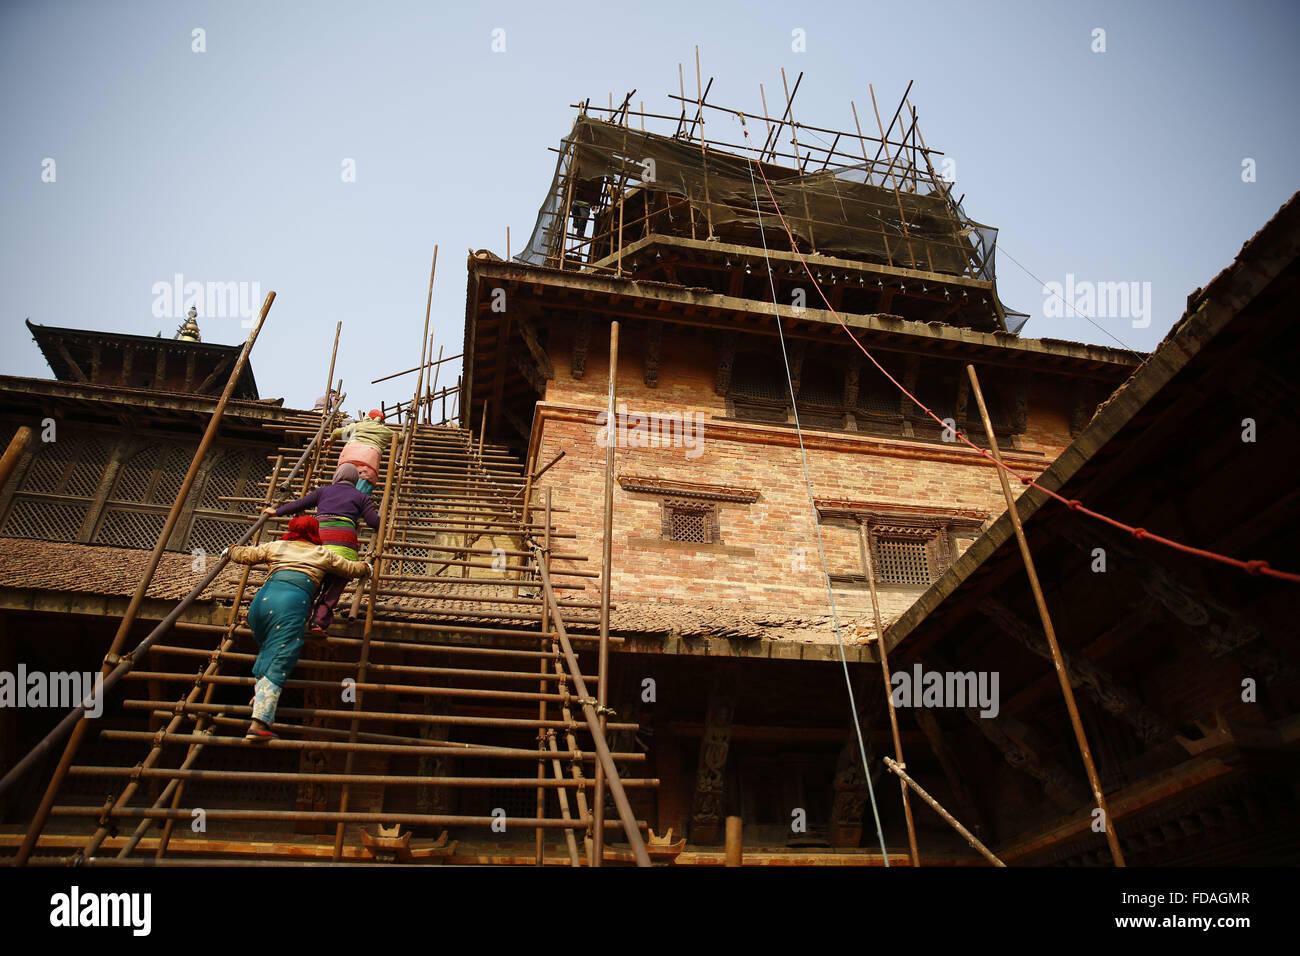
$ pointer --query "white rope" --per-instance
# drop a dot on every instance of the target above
(821, 551)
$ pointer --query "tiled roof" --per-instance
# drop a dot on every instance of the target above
(98, 569)
(115, 572)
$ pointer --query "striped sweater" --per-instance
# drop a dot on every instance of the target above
(312, 560)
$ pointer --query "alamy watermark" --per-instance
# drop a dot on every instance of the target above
(922, 688)
(1098, 300)
(213, 300)
(653, 430)
(62, 689)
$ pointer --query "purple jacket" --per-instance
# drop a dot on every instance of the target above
(339, 499)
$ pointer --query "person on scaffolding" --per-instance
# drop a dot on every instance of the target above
(366, 442)
(340, 508)
(278, 611)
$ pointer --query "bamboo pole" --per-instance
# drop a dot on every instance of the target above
(607, 552)
(385, 520)
(112, 659)
(1112, 837)
(951, 820)
(17, 445)
(869, 568)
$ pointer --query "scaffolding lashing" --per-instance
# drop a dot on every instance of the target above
(456, 678)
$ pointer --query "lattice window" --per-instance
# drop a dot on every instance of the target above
(902, 559)
(420, 568)
(690, 526)
(134, 477)
(939, 394)
(69, 466)
(760, 413)
(84, 476)
(878, 398)
(130, 529)
(174, 463)
(214, 534)
(48, 520)
(691, 522)
(760, 376)
(516, 801)
(822, 421)
(46, 470)
(226, 477)
(153, 475)
(821, 384)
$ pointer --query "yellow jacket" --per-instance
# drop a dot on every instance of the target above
(365, 432)
(312, 560)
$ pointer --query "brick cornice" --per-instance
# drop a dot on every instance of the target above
(687, 489)
(844, 508)
(759, 434)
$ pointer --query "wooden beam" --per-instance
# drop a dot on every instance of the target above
(653, 352)
(529, 333)
(72, 364)
(1116, 699)
(218, 370)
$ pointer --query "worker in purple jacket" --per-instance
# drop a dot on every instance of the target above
(339, 509)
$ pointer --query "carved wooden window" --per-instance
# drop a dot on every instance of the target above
(62, 493)
(909, 554)
(910, 548)
(143, 492)
(691, 522)
(55, 492)
(759, 390)
(903, 558)
(821, 396)
(233, 473)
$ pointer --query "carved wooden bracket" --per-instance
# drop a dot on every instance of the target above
(709, 806)
(653, 346)
(687, 489)
(581, 343)
(1082, 672)
(529, 333)
(727, 343)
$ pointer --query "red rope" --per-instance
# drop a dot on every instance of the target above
(1251, 567)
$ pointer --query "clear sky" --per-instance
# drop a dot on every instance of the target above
(227, 165)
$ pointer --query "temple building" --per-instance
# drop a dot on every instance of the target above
(784, 331)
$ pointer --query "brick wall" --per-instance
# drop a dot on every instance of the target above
(768, 553)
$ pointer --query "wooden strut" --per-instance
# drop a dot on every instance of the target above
(81, 727)
(952, 821)
(387, 517)
(177, 787)
(1112, 837)
(594, 724)
(385, 521)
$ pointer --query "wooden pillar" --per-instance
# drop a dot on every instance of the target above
(735, 841)
(707, 816)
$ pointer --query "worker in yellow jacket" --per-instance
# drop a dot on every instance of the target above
(366, 442)
(279, 609)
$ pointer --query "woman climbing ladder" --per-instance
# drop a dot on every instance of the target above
(279, 609)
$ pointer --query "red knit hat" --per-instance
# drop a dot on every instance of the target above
(302, 528)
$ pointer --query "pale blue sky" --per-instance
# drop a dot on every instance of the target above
(225, 165)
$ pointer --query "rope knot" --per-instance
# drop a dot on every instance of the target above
(1256, 567)
(1139, 533)
(1074, 504)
